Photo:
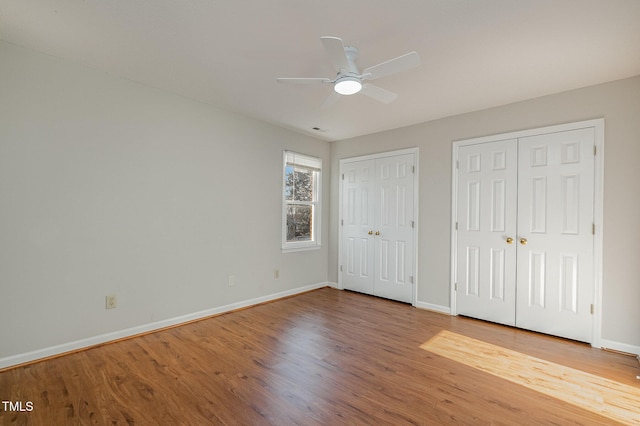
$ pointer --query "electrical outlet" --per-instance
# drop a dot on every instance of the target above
(232, 280)
(111, 302)
(276, 273)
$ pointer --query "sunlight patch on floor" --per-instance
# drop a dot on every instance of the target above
(605, 397)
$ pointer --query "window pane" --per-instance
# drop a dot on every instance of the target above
(303, 185)
(299, 222)
(288, 182)
(298, 184)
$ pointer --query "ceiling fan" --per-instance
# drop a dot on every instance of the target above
(349, 80)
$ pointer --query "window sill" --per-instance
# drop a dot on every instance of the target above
(292, 249)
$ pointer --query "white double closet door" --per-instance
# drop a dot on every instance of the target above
(377, 226)
(525, 244)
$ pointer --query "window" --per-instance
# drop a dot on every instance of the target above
(301, 202)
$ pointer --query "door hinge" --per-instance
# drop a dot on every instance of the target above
(342, 222)
(343, 176)
(593, 228)
(413, 169)
(594, 150)
(592, 309)
(455, 286)
(457, 164)
(413, 224)
(456, 226)
(340, 268)
(411, 279)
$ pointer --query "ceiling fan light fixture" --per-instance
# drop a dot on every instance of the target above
(347, 86)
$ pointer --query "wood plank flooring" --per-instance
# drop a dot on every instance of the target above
(606, 397)
(326, 357)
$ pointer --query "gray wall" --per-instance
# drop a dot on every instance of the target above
(110, 187)
(618, 102)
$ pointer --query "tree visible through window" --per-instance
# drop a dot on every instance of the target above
(301, 201)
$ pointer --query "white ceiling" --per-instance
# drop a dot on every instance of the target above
(475, 53)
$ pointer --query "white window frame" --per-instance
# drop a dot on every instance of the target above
(314, 164)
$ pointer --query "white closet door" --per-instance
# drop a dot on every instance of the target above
(555, 241)
(393, 234)
(486, 249)
(377, 244)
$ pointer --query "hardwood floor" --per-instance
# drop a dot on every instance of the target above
(321, 358)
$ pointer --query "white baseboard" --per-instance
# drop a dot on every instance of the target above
(621, 347)
(604, 344)
(18, 359)
(333, 285)
(431, 307)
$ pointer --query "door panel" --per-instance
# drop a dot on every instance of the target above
(395, 180)
(497, 279)
(358, 215)
(486, 214)
(555, 209)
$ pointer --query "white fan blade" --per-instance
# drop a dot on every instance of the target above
(378, 93)
(331, 100)
(303, 80)
(392, 66)
(335, 50)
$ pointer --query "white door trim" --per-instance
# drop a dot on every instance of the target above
(598, 126)
(343, 161)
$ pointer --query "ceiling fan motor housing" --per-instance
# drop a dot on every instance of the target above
(352, 54)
